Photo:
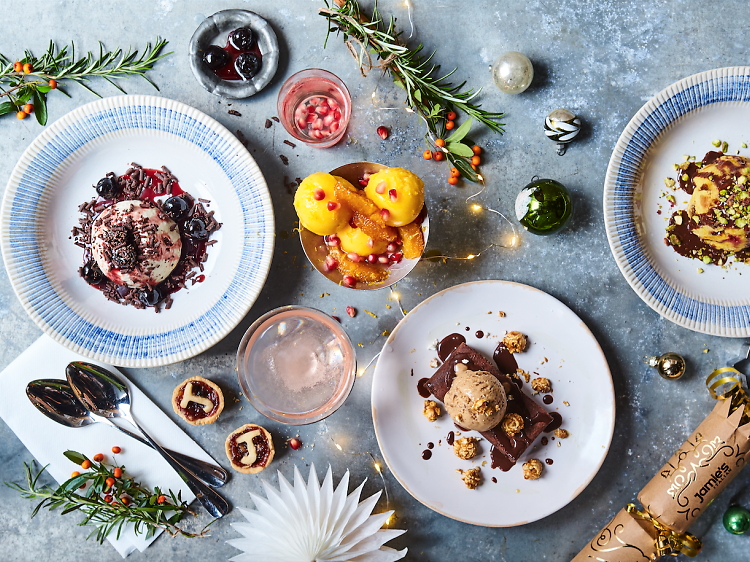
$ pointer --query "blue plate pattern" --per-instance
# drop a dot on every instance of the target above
(623, 174)
(34, 177)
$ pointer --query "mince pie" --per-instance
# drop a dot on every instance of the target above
(198, 401)
(249, 448)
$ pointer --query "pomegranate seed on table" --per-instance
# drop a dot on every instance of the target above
(383, 132)
(337, 319)
(351, 311)
(295, 443)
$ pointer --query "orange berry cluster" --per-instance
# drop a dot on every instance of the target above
(116, 472)
(439, 155)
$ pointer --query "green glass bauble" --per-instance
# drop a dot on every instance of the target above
(737, 520)
(543, 207)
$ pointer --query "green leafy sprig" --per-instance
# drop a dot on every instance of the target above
(56, 66)
(428, 93)
(103, 506)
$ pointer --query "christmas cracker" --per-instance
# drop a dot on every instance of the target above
(679, 493)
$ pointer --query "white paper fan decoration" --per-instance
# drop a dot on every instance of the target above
(314, 523)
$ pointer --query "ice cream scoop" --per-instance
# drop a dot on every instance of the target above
(354, 240)
(476, 399)
(317, 207)
(135, 244)
(398, 191)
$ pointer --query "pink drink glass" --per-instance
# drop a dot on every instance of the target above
(314, 106)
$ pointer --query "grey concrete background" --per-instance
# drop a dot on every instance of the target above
(601, 59)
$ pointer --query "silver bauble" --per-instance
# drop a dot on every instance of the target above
(562, 126)
(512, 72)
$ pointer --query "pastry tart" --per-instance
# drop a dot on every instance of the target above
(198, 401)
(249, 449)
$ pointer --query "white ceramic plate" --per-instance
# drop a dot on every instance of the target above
(574, 364)
(55, 175)
(682, 119)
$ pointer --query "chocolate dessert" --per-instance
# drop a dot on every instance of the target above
(507, 449)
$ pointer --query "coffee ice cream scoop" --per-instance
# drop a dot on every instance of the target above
(476, 400)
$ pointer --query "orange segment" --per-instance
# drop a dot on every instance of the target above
(412, 239)
(360, 271)
(356, 201)
(374, 226)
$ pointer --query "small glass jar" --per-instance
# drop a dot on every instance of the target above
(314, 106)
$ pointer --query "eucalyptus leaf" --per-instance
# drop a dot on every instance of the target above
(459, 148)
(461, 132)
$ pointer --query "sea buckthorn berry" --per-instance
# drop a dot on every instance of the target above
(161, 499)
(86, 464)
(438, 155)
(98, 457)
(476, 150)
(453, 180)
(108, 498)
(125, 500)
(117, 472)
(27, 68)
(451, 116)
(116, 449)
(110, 482)
(449, 125)
(28, 108)
(440, 142)
(21, 115)
(455, 173)
(17, 66)
(74, 474)
(427, 153)
(476, 160)
(53, 84)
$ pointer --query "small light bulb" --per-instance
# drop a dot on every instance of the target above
(377, 467)
(479, 177)
(470, 257)
(476, 207)
(339, 447)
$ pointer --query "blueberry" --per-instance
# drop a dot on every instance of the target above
(91, 273)
(124, 257)
(176, 207)
(242, 39)
(215, 57)
(108, 188)
(247, 65)
(196, 228)
(149, 297)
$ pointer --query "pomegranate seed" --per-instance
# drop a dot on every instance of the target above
(311, 117)
(319, 194)
(317, 125)
(392, 247)
(363, 182)
(349, 281)
(351, 311)
(328, 120)
(295, 443)
(337, 319)
(330, 264)
(352, 223)
(372, 258)
(397, 257)
(383, 132)
(353, 256)
(380, 188)
(326, 132)
(393, 195)
(317, 134)
(302, 123)
(323, 110)
(384, 260)
(385, 213)
(370, 243)
(332, 103)
(314, 101)
(333, 205)
(334, 126)
(311, 109)
(337, 115)
(334, 241)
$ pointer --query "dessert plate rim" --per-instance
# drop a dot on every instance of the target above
(105, 336)
(394, 364)
(675, 105)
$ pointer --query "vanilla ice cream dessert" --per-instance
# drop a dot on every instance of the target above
(135, 244)
(476, 400)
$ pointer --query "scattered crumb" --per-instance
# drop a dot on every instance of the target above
(705, 350)
(233, 112)
(434, 363)
(290, 143)
(566, 402)
(558, 443)
(284, 159)
(268, 124)
(501, 314)
(562, 433)
(521, 372)
(371, 314)
(324, 294)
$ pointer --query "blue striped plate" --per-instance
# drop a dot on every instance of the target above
(56, 174)
(684, 119)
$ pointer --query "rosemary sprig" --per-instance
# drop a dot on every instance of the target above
(55, 65)
(428, 93)
(106, 508)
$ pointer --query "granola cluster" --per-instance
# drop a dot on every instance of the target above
(472, 477)
(466, 448)
(532, 470)
(515, 342)
(431, 410)
(542, 385)
(512, 424)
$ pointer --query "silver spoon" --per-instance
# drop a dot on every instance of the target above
(55, 399)
(104, 393)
